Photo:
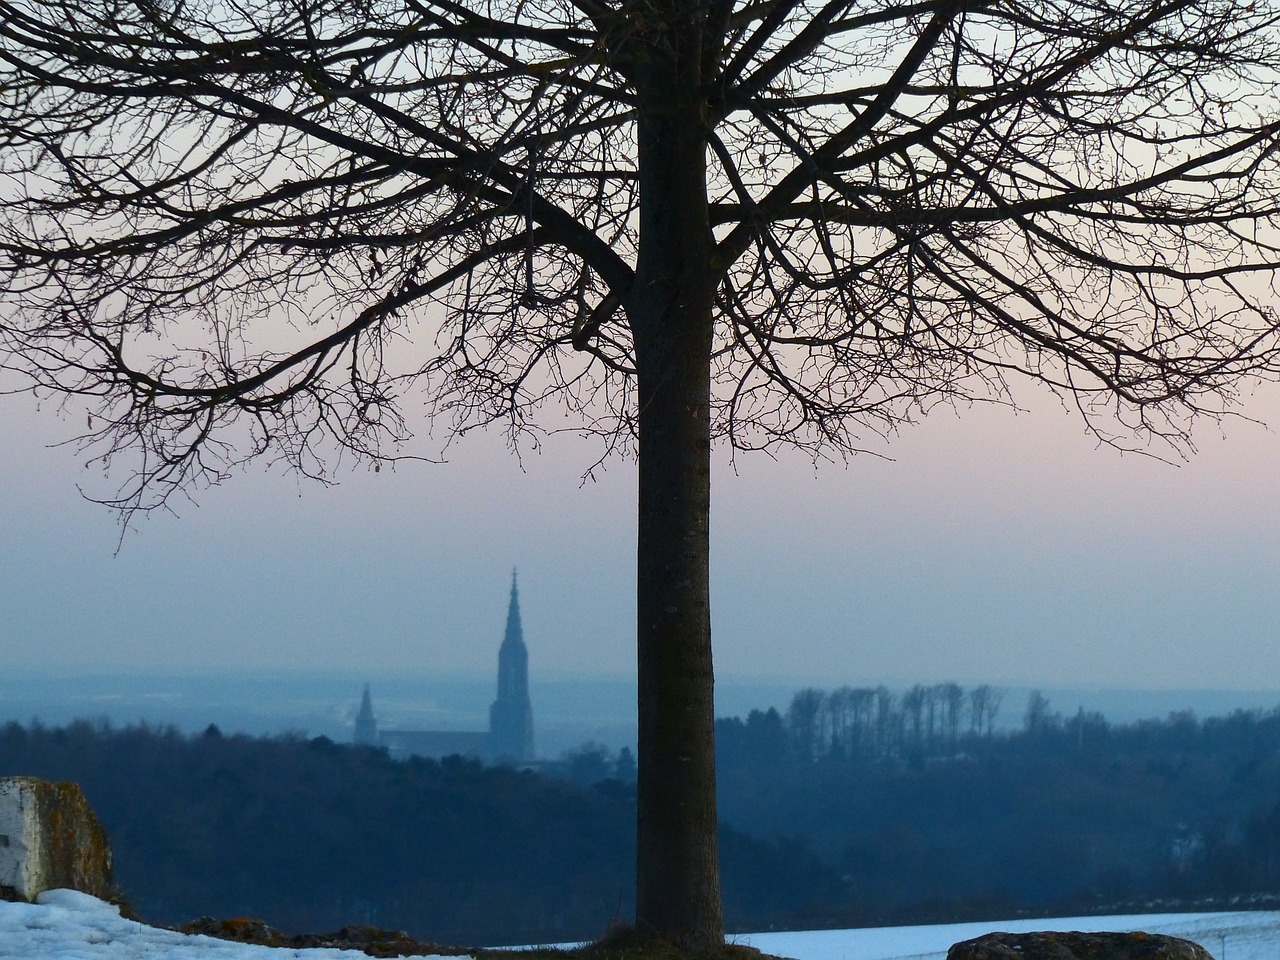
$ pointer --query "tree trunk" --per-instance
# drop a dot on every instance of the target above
(677, 885)
(670, 309)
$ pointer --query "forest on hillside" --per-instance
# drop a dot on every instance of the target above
(311, 835)
(852, 807)
(927, 810)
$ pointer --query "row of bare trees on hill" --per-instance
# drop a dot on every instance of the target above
(876, 723)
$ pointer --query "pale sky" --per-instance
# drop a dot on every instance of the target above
(993, 547)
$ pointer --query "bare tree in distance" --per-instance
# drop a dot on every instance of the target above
(285, 228)
(984, 704)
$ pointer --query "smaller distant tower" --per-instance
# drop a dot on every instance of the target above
(511, 716)
(366, 733)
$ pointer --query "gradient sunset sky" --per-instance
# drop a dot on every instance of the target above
(993, 547)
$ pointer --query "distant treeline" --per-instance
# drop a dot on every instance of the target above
(866, 723)
(929, 810)
(849, 808)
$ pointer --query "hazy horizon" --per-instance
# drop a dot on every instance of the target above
(568, 711)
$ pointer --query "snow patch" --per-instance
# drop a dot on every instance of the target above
(66, 925)
(76, 901)
(1252, 935)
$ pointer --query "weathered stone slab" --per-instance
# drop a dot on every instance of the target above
(1053, 945)
(50, 839)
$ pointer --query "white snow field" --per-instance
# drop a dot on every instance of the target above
(1250, 935)
(66, 925)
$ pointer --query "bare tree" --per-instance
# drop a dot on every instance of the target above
(1039, 718)
(953, 698)
(841, 721)
(807, 721)
(991, 706)
(274, 227)
(913, 710)
(889, 724)
(862, 738)
(931, 696)
(980, 698)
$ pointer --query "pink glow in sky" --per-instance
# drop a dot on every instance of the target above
(994, 547)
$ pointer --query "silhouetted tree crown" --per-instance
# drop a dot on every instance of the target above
(269, 228)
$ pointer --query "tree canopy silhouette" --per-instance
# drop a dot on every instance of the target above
(274, 227)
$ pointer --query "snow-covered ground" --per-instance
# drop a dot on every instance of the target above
(1227, 936)
(66, 925)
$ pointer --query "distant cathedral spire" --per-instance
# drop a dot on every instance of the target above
(511, 716)
(366, 732)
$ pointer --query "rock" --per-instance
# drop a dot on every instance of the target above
(372, 941)
(1052, 945)
(50, 839)
(239, 929)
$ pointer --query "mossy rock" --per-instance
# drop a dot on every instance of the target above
(1073, 945)
(238, 929)
(50, 838)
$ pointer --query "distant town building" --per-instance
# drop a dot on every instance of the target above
(511, 716)
(509, 738)
(366, 733)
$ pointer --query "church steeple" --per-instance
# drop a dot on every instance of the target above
(366, 731)
(511, 716)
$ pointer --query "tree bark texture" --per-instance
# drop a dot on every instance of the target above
(670, 310)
